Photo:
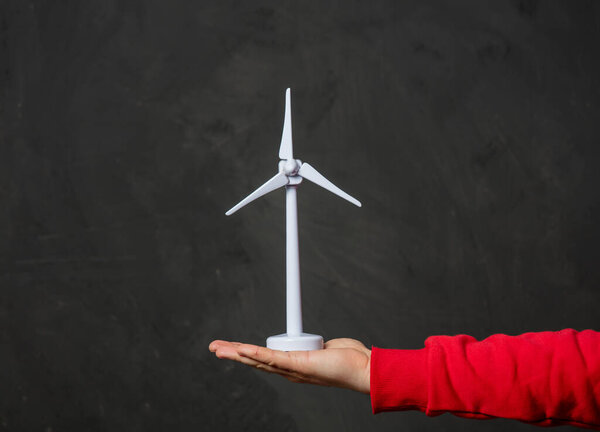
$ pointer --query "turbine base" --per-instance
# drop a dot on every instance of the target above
(302, 342)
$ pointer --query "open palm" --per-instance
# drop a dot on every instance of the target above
(342, 363)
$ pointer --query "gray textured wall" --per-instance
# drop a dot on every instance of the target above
(468, 129)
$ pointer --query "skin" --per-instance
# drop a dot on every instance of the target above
(343, 363)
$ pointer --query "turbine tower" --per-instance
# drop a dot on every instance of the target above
(291, 172)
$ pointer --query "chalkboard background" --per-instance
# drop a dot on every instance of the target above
(468, 129)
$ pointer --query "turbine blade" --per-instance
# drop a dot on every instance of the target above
(309, 173)
(275, 182)
(285, 149)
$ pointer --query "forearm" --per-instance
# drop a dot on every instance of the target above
(543, 378)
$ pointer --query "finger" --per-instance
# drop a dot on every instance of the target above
(235, 350)
(228, 352)
(216, 343)
(297, 361)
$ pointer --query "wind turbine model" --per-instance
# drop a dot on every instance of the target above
(291, 172)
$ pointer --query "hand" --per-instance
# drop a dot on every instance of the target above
(342, 363)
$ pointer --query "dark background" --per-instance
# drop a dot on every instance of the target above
(468, 129)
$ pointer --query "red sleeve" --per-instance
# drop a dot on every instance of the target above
(546, 378)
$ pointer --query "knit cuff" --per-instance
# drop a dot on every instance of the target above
(398, 379)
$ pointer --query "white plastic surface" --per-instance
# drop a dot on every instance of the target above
(310, 173)
(275, 182)
(292, 261)
(291, 173)
(303, 342)
(285, 149)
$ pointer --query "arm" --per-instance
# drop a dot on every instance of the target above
(543, 378)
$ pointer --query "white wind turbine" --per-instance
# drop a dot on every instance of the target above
(291, 172)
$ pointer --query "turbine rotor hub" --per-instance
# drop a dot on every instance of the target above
(290, 167)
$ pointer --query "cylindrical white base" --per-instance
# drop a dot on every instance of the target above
(303, 342)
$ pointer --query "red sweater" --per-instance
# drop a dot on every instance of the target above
(546, 378)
